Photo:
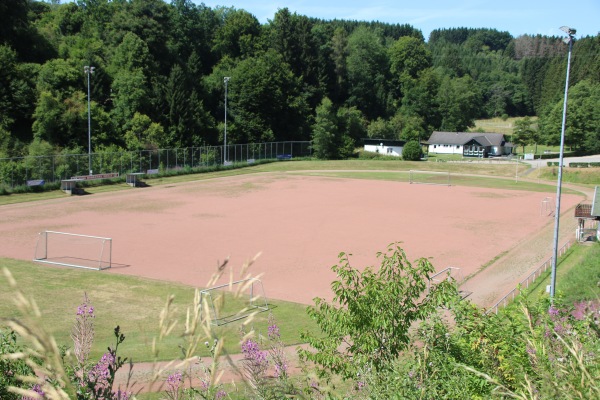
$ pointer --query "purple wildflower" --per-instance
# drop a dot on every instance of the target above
(273, 331)
(281, 369)
(100, 373)
(553, 311)
(35, 388)
(204, 385)
(220, 395)
(174, 380)
(120, 395)
(252, 352)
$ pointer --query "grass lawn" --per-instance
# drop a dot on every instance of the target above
(130, 302)
(577, 276)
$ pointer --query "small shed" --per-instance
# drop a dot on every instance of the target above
(384, 146)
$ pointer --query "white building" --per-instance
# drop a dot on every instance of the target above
(384, 146)
(469, 144)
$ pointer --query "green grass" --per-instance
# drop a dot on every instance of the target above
(577, 276)
(132, 303)
(458, 180)
(583, 176)
(496, 125)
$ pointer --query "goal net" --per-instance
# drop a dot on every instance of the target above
(73, 250)
(233, 301)
(429, 177)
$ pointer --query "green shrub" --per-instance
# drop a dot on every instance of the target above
(412, 151)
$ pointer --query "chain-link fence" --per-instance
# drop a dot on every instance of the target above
(18, 171)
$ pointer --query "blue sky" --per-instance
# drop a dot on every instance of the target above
(515, 16)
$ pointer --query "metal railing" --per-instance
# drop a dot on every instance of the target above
(17, 171)
(525, 283)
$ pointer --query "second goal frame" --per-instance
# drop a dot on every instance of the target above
(60, 248)
(244, 297)
(429, 177)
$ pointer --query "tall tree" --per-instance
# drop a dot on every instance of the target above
(459, 100)
(367, 64)
(325, 131)
(583, 120)
(525, 133)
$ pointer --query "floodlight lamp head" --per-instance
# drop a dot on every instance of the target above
(226, 79)
(568, 31)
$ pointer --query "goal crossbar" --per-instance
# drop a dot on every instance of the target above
(97, 257)
(250, 299)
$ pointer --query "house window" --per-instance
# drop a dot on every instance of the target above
(435, 146)
(457, 146)
(390, 150)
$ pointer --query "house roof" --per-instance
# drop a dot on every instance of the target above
(462, 138)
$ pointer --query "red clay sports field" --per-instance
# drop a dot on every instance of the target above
(300, 223)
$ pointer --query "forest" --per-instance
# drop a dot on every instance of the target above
(159, 69)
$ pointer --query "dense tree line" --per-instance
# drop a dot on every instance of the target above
(159, 70)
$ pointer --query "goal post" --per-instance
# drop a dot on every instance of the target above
(73, 250)
(233, 301)
(429, 177)
(450, 273)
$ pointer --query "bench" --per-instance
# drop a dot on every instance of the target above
(133, 179)
(69, 186)
(283, 157)
(36, 182)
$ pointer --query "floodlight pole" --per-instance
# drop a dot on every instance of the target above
(89, 70)
(570, 32)
(226, 80)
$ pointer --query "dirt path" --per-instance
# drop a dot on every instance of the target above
(500, 277)
(151, 377)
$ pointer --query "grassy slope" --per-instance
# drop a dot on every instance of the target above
(131, 302)
(577, 276)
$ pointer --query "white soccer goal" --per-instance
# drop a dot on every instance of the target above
(73, 250)
(546, 208)
(429, 177)
(233, 301)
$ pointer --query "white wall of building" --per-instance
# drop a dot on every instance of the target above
(445, 149)
(384, 150)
